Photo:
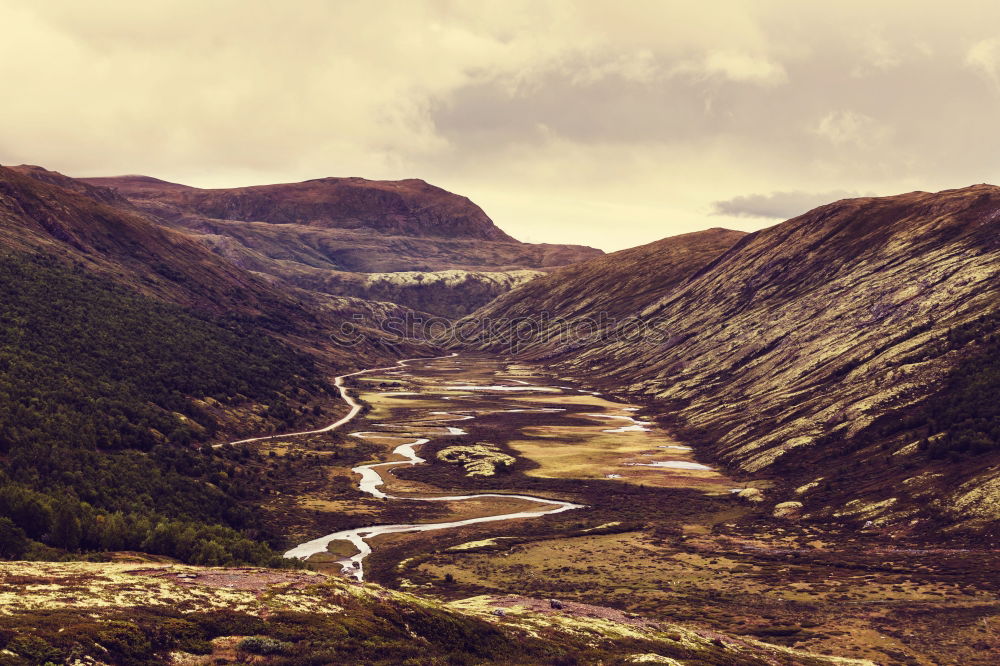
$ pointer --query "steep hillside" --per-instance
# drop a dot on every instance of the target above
(47, 212)
(847, 355)
(572, 306)
(125, 349)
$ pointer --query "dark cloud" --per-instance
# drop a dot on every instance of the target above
(777, 205)
(674, 103)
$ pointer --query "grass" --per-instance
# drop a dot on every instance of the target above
(664, 544)
(125, 614)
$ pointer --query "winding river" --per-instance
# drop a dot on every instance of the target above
(372, 480)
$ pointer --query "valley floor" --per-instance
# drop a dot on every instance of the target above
(652, 555)
(659, 533)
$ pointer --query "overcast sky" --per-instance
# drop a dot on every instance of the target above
(607, 123)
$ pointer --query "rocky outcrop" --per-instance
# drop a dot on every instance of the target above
(450, 294)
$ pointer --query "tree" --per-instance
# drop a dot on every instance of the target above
(66, 530)
(114, 532)
(13, 542)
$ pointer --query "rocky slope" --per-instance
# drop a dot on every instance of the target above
(319, 234)
(569, 308)
(848, 354)
(450, 294)
(85, 613)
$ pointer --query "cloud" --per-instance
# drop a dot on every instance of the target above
(735, 66)
(590, 121)
(984, 56)
(777, 205)
(851, 127)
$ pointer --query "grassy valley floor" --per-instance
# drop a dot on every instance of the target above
(669, 543)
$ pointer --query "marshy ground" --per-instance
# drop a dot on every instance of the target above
(662, 535)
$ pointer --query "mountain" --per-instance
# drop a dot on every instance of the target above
(126, 349)
(317, 233)
(610, 288)
(399, 208)
(47, 212)
(847, 355)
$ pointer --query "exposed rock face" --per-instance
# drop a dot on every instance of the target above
(822, 345)
(449, 294)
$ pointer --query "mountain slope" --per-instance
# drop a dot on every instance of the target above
(95, 228)
(43, 211)
(349, 224)
(568, 308)
(400, 208)
(125, 349)
(828, 353)
(320, 234)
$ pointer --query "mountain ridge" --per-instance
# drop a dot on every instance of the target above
(815, 352)
(408, 207)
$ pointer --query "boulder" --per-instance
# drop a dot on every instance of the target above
(752, 495)
(787, 510)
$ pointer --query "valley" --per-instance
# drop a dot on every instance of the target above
(718, 448)
(648, 528)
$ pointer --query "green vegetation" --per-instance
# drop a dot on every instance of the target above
(966, 410)
(99, 427)
(367, 632)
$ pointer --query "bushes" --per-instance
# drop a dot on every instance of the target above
(87, 364)
(13, 542)
(263, 645)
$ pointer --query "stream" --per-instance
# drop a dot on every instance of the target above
(371, 480)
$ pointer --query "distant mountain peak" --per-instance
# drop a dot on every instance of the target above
(410, 207)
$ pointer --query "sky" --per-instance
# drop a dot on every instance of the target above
(604, 123)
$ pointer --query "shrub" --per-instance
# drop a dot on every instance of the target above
(13, 542)
(263, 645)
(34, 648)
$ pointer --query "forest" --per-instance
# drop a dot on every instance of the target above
(963, 419)
(101, 442)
